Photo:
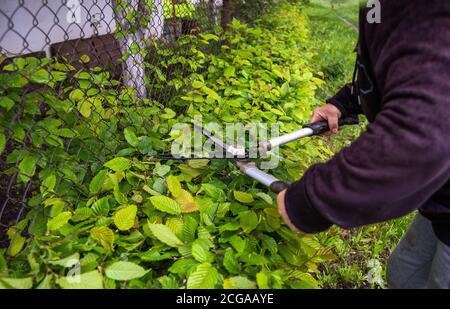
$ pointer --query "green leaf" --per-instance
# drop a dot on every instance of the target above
(3, 264)
(40, 77)
(153, 255)
(105, 236)
(254, 259)
(16, 283)
(200, 251)
(76, 95)
(248, 220)
(59, 221)
(210, 36)
(270, 244)
(118, 164)
(230, 226)
(2, 142)
(166, 204)
(82, 214)
(46, 283)
(169, 114)
(85, 108)
(27, 167)
(124, 271)
(230, 262)
(97, 182)
(243, 197)
(189, 229)
(130, 137)
(213, 191)
(89, 280)
(174, 186)
(16, 245)
(197, 84)
(262, 279)
(101, 206)
(284, 91)
(58, 76)
(49, 183)
(229, 71)
(65, 132)
(85, 59)
(205, 276)
(119, 196)
(189, 171)
(168, 282)
(304, 281)
(211, 93)
(200, 163)
(6, 103)
(182, 266)
(176, 225)
(165, 235)
(124, 218)
(238, 282)
(265, 197)
(161, 170)
(238, 243)
(134, 48)
(67, 262)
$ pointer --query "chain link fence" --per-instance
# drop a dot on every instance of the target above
(75, 73)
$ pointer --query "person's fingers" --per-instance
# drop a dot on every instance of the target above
(333, 122)
(330, 114)
(317, 116)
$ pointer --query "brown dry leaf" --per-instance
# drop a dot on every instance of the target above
(189, 207)
(186, 200)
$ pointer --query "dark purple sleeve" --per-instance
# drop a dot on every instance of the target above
(346, 101)
(404, 156)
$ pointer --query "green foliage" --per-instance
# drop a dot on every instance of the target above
(16, 283)
(165, 235)
(124, 271)
(166, 204)
(124, 217)
(205, 276)
(334, 43)
(135, 222)
(89, 280)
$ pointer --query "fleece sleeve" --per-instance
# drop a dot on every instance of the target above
(404, 156)
(346, 101)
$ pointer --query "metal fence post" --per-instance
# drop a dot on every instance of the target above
(133, 66)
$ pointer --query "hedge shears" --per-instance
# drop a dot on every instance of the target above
(241, 156)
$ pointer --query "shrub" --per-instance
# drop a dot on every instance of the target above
(104, 209)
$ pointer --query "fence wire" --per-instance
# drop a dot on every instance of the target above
(72, 74)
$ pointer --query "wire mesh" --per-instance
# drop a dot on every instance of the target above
(71, 73)
(74, 74)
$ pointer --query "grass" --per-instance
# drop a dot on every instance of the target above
(334, 43)
(362, 253)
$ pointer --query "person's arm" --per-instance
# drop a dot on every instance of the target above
(403, 158)
(346, 101)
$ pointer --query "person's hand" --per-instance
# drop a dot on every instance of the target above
(282, 211)
(328, 113)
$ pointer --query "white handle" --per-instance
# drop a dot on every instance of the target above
(284, 139)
